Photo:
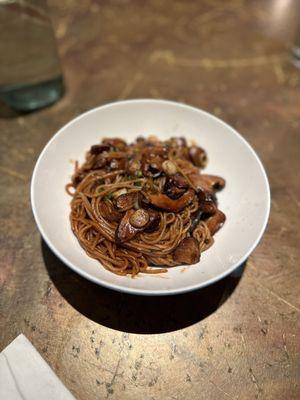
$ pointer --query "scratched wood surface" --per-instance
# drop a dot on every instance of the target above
(238, 339)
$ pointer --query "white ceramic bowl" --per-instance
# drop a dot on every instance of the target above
(245, 199)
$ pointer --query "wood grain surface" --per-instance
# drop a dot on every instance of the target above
(238, 339)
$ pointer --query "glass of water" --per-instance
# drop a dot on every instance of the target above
(30, 73)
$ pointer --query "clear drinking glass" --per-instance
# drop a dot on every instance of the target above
(30, 73)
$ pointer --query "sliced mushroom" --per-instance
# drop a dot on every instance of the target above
(125, 231)
(139, 219)
(187, 167)
(156, 150)
(183, 153)
(207, 201)
(198, 156)
(126, 201)
(198, 183)
(154, 221)
(117, 163)
(169, 167)
(179, 181)
(164, 202)
(109, 212)
(178, 141)
(187, 252)
(210, 182)
(175, 186)
(119, 192)
(99, 162)
(152, 166)
(206, 185)
(215, 222)
(115, 142)
(99, 148)
(216, 182)
(206, 196)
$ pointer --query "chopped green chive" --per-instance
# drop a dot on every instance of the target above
(108, 196)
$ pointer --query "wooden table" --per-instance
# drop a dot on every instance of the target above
(238, 339)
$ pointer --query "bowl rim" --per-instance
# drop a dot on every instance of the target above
(138, 291)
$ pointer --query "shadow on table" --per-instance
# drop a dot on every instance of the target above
(137, 314)
(7, 112)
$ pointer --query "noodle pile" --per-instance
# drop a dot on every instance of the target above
(136, 173)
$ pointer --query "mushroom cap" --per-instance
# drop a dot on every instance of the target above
(187, 252)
